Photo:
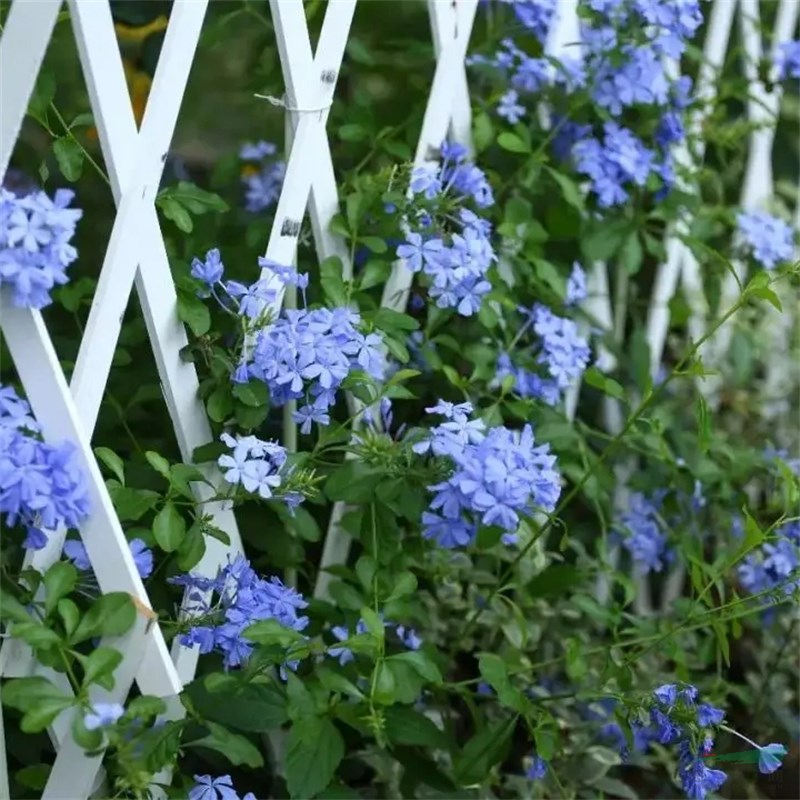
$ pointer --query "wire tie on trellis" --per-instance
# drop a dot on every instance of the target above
(280, 102)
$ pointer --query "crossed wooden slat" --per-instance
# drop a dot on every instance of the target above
(448, 111)
(135, 162)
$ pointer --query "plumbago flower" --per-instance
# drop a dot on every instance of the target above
(35, 244)
(303, 354)
(676, 716)
(225, 606)
(444, 239)
(496, 475)
(557, 356)
(767, 238)
(621, 69)
(42, 486)
(775, 565)
(262, 175)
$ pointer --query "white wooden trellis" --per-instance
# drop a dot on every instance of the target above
(136, 256)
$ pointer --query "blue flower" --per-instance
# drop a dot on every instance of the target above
(208, 788)
(425, 180)
(644, 537)
(35, 244)
(576, 285)
(103, 715)
(75, 551)
(787, 60)
(208, 271)
(709, 715)
(769, 239)
(696, 779)
(509, 108)
(537, 769)
(769, 757)
(242, 598)
(42, 485)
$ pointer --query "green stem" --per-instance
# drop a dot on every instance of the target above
(629, 423)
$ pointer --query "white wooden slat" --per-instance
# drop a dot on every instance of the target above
(5, 791)
(74, 773)
(457, 17)
(310, 139)
(27, 31)
(47, 391)
(451, 24)
(138, 174)
(762, 110)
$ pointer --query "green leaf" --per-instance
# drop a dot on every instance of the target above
(405, 726)
(58, 581)
(253, 394)
(98, 665)
(575, 662)
(12, 610)
(765, 293)
(593, 377)
(238, 750)
(194, 312)
(271, 632)
(374, 623)
(36, 634)
(482, 752)
(70, 615)
(420, 663)
(132, 504)
(192, 198)
(110, 615)
(39, 699)
(394, 322)
(600, 243)
(314, 751)
(513, 143)
(192, 548)
(34, 776)
(405, 584)
(545, 738)
(703, 424)
(385, 685)
(42, 96)
(333, 287)
(255, 707)
(112, 461)
(554, 580)
(158, 463)
(569, 189)
(353, 482)
(220, 403)
(631, 255)
(177, 213)
(69, 156)
(169, 528)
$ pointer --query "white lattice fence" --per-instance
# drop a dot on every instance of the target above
(136, 257)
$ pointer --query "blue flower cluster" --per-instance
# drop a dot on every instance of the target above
(643, 534)
(445, 240)
(626, 46)
(41, 485)
(253, 464)
(787, 60)
(497, 475)
(557, 347)
(769, 239)
(242, 598)
(75, 551)
(534, 15)
(537, 768)
(676, 717)
(407, 636)
(262, 176)
(303, 354)
(774, 564)
(35, 244)
(208, 788)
